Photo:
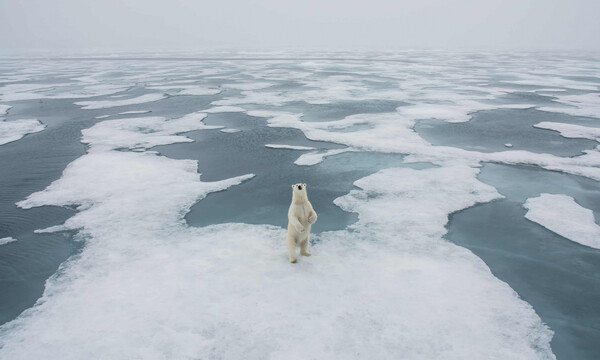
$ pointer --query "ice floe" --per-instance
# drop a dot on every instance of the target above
(142, 132)
(230, 131)
(17, 92)
(562, 215)
(394, 133)
(224, 109)
(103, 104)
(186, 90)
(389, 287)
(289, 147)
(571, 130)
(314, 158)
(7, 240)
(135, 112)
(14, 130)
(4, 110)
(577, 105)
(254, 85)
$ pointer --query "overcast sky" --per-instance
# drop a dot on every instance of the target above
(325, 24)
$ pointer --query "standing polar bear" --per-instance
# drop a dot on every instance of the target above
(300, 217)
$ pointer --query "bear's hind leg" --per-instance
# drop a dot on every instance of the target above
(304, 248)
(291, 245)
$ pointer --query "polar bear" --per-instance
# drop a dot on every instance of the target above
(300, 217)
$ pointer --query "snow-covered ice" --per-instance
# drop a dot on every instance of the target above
(14, 130)
(135, 112)
(102, 104)
(289, 147)
(7, 240)
(571, 130)
(224, 109)
(561, 214)
(316, 157)
(142, 132)
(230, 131)
(408, 294)
(4, 110)
(147, 285)
(186, 90)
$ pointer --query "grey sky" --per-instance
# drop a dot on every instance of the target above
(263, 24)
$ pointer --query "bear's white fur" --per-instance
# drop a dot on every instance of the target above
(300, 217)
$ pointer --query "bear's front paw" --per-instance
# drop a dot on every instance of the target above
(300, 228)
(312, 219)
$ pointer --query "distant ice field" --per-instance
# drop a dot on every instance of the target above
(167, 206)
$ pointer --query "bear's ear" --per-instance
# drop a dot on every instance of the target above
(304, 185)
(293, 186)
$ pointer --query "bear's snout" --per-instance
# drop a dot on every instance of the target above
(299, 187)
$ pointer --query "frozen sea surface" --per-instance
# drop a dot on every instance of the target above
(150, 211)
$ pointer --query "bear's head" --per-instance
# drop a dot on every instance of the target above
(299, 192)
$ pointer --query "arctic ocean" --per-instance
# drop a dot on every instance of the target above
(143, 205)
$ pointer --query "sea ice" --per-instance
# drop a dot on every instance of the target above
(255, 85)
(7, 240)
(142, 132)
(102, 104)
(186, 90)
(290, 147)
(4, 110)
(135, 112)
(314, 158)
(18, 92)
(224, 109)
(14, 130)
(388, 287)
(562, 215)
(577, 105)
(230, 131)
(571, 130)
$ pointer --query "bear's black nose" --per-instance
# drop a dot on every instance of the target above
(299, 187)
